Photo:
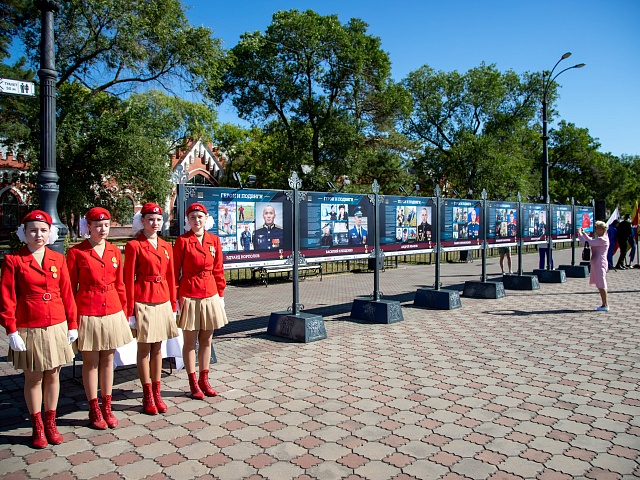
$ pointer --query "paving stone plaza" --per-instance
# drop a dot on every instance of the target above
(535, 385)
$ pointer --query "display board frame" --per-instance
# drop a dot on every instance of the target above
(460, 225)
(502, 224)
(562, 228)
(584, 217)
(266, 214)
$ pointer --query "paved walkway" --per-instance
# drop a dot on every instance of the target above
(534, 385)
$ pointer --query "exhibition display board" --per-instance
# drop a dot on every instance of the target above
(256, 226)
(502, 224)
(460, 225)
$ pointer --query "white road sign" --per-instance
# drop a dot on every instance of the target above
(17, 87)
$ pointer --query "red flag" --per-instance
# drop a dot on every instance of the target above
(635, 216)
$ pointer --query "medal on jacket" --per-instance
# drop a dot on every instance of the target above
(54, 269)
(166, 254)
(115, 262)
(212, 249)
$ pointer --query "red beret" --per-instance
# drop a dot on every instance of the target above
(153, 208)
(97, 214)
(37, 216)
(196, 207)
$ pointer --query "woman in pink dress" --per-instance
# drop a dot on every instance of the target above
(599, 265)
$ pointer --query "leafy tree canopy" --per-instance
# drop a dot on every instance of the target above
(316, 86)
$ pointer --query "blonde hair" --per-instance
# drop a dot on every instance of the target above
(602, 225)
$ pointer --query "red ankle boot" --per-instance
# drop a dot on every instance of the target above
(95, 416)
(50, 429)
(195, 388)
(107, 414)
(162, 407)
(203, 383)
(38, 438)
(148, 404)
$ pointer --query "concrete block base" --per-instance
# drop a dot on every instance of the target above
(520, 282)
(588, 265)
(477, 289)
(550, 276)
(376, 311)
(575, 271)
(303, 327)
(437, 299)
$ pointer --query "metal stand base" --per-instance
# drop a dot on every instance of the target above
(550, 276)
(520, 282)
(303, 327)
(477, 289)
(588, 265)
(376, 311)
(575, 271)
(437, 299)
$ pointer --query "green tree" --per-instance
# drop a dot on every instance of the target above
(141, 131)
(116, 46)
(107, 50)
(317, 88)
(474, 129)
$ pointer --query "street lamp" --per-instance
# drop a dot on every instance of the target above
(47, 180)
(545, 139)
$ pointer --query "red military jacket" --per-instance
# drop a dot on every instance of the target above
(97, 282)
(148, 273)
(201, 266)
(35, 296)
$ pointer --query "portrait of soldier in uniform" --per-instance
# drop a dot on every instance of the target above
(270, 235)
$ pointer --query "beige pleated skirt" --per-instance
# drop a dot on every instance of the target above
(47, 348)
(202, 314)
(156, 322)
(103, 333)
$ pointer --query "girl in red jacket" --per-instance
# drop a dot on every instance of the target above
(151, 302)
(39, 314)
(95, 267)
(200, 277)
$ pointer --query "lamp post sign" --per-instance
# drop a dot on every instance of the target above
(17, 87)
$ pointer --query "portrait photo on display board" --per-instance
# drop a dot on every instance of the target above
(358, 233)
(269, 234)
(226, 218)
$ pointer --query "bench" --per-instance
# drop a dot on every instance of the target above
(303, 271)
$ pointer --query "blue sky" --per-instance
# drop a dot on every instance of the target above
(520, 35)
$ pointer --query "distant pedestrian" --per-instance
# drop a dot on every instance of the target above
(599, 264)
(624, 232)
(633, 244)
(505, 252)
(612, 234)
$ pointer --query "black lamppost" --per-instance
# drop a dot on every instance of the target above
(47, 180)
(545, 137)
(547, 80)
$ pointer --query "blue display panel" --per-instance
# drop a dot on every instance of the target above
(562, 226)
(502, 223)
(534, 223)
(407, 225)
(254, 226)
(584, 218)
(460, 225)
(336, 226)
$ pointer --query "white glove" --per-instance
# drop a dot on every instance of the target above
(222, 302)
(72, 336)
(133, 322)
(16, 343)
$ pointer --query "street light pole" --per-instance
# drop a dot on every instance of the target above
(47, 180)
(545, 139)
